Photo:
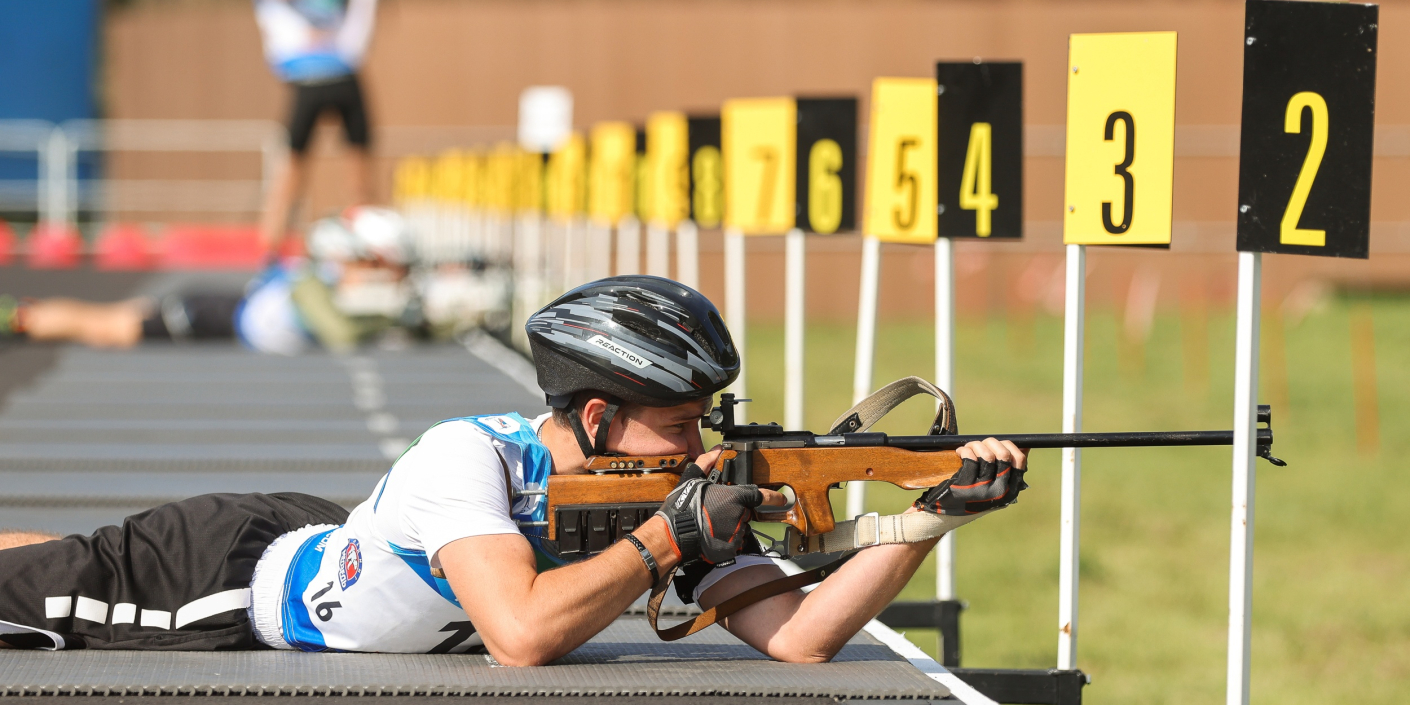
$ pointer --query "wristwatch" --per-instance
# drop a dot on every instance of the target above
(646, 558)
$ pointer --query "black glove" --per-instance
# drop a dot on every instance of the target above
(708, 522)
(980, 485)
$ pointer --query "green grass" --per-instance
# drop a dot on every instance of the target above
(1332, 557)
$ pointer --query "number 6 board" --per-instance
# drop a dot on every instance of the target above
(826, 179)
(1120, 139)
(980, 149)
(1308, 117)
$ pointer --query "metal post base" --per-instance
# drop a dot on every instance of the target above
(941, 614)
(1015, 686)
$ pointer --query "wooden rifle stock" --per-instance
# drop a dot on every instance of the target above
(588, 511)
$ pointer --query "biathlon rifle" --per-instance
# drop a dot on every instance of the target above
(587, 512)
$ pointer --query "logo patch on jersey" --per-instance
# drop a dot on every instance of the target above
(503, 424)
(350, 564)
(627, 356)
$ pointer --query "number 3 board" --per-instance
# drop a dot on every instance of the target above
(1308, 118)
(980, 149)
(1120, 138)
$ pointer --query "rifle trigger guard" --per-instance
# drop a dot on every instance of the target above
(857, 529)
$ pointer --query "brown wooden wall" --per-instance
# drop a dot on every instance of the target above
(464, 62)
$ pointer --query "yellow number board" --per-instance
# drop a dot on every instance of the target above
(759, 137)
(901, 166)
(565, 186)
(667, 147)
(1120, 138)
(613, 158)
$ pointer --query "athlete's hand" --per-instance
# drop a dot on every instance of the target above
(990, 477)
(708, 521)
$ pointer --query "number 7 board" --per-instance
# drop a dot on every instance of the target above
(1308, 119)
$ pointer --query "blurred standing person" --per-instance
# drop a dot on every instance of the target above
(317, 47)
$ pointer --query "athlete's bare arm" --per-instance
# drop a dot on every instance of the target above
(527, 618)
(15, 539)
(812, 627)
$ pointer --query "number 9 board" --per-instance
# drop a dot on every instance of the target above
(1120, 139)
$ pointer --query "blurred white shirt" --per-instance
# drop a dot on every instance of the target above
(315, 40)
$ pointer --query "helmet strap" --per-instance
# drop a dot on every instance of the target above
(575, 420)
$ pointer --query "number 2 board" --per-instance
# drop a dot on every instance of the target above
(1308, 118)
(1120, 139)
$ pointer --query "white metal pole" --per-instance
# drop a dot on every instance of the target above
(658, 250)
(688, 254)
(55, 165)
(794, 325)
(866, 347)
(599, 251)
(629, 246)
(571, 254)
(945, 379)
(1245, 434)
(1074, 314)
(735, 309)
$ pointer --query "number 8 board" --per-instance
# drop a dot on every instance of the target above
(1120, 139)
(1308, 118)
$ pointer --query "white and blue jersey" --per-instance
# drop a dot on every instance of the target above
(373, 583)
(267, 320)
(315, 40)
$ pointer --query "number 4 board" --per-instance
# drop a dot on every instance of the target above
(1308, 118)
(900, 202)
(980, 149)
(759, 136)
(1120, 139)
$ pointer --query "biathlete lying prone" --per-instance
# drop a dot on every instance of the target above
(443, 556)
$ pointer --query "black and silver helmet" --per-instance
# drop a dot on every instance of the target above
(646, 340)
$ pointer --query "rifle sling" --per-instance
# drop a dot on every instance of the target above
(734, 604)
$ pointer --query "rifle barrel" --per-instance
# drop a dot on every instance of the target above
(1060, 440)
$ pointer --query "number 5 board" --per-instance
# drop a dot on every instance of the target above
(900, 202)
(1308, 118)
(1120, 139)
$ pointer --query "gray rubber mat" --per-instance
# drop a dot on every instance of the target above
(103, 434)
(625, 659)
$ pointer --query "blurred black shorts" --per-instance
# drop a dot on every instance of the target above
(193, 317)
(176, 577)
(312, 99)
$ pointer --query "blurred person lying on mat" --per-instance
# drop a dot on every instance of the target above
(351, 288)
(449, 553)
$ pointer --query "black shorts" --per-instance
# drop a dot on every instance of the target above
(313, 99)
(192, 317)
(176, 577)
